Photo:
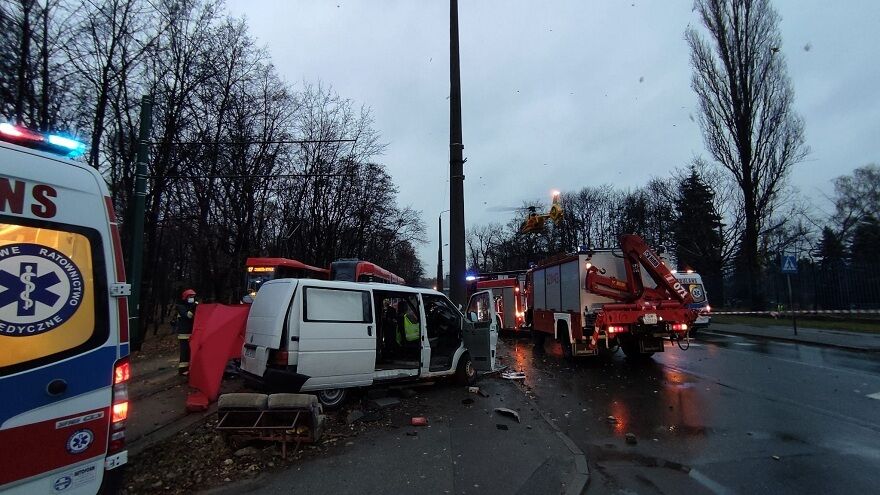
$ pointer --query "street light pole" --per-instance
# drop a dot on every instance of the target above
(440, 250)
(456, 167)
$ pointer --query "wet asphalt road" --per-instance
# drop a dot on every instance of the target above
(729, 415)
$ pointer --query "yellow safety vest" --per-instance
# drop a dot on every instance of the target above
(411, 329)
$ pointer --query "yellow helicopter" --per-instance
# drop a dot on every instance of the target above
(534, 221)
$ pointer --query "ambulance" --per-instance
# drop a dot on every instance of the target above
(64, 364)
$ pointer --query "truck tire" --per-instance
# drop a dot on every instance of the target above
(332, 398)
(538, 338)
(564, 340)
(465, 373)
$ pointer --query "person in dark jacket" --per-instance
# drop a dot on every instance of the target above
(186, 313)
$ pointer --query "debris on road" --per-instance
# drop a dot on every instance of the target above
(384, 402)
(508, 412)
(474, 390)
(467, 401)
(354, 415)
(611, 419)
(631, 439)
(419, 421)
(513, 375)
(775, 457)
(482, 393)
(501, 426)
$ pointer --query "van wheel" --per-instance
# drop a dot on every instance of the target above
(332, 398)
(465, 373)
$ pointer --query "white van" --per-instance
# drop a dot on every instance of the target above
(63, 322)
(328, 337)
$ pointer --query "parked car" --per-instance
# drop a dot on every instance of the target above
(329, 337)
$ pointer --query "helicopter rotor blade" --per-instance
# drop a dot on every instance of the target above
(505, 209)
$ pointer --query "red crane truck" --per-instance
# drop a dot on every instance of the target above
(596, 301)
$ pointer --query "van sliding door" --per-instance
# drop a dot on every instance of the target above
(337, 340)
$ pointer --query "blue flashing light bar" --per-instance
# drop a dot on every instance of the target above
(53, 143)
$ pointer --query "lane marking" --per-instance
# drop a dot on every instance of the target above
(710, 484)
(874, 396)
(744, 343)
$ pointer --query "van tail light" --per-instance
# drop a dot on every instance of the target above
(616, 328)
(278, 357)
(679, 327)
(119, 406)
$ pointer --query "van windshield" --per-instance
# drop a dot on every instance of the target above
(50, 304)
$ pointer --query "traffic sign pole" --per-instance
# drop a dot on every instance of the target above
(791, 304)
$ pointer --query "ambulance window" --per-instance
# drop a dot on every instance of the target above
(52, 293)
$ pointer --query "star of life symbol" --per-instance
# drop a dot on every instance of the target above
(40, 288)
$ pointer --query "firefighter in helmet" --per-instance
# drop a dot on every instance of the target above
(186, 312)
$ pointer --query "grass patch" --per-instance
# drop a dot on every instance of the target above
(828, 323)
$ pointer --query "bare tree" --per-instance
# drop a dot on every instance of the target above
(747, 119)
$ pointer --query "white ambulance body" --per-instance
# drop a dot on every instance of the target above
(63, 322)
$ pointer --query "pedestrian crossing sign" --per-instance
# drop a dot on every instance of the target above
(789, 263)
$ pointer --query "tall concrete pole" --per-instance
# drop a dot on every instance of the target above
(456, 167)
(135, 270)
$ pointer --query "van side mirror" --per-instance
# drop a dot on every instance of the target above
(472, 317)
(247, 299)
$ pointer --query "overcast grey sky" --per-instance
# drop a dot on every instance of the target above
(562, 94)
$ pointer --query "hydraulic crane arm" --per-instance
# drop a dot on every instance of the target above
(637, 254)
(636, 250)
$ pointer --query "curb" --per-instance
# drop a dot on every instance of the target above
(169, 429)
(792, 340)
(582, 472)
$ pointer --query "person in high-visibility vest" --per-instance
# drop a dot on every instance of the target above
(186, 313)
(411, 329)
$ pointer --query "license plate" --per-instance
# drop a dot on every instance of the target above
(116, 460)
(650, 319)
(250, 352)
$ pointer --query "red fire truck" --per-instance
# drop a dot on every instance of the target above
(593, 302)
(507, 291)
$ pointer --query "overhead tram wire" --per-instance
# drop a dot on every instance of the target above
(230, 143)
(233, 143)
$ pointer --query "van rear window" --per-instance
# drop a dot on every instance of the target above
(337, 305)
(51, 303)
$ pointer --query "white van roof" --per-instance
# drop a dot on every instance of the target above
(338, 284)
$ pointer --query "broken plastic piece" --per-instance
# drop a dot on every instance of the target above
(474, 390)
(508, 412)
(419, 421)
(513, 375)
